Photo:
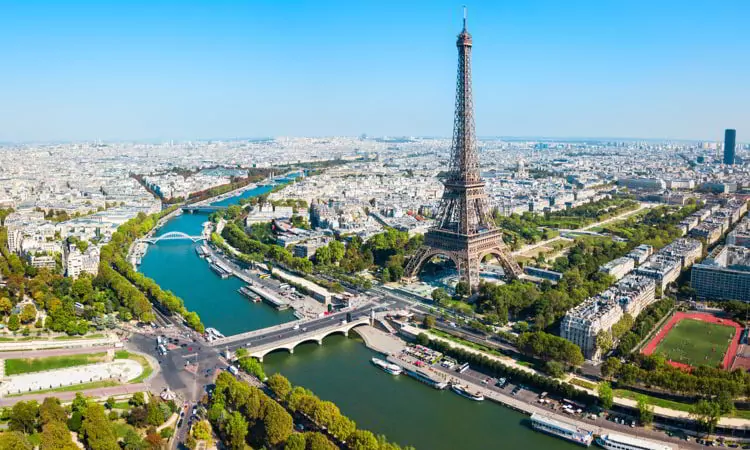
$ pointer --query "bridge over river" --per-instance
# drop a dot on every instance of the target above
(172, 236)
(289, 335)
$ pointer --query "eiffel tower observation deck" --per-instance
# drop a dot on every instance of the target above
(464, 229)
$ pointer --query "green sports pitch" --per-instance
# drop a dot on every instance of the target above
(696, 343)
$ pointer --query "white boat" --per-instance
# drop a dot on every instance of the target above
(613, 441)
(213, 333)
(387, 367)
(463, 391)
(556, 427)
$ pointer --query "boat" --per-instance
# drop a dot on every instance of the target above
(247, 292)
(387, 367)
(427, 378)
(201, 251)
(614, 441)
(558, 428)
(213, 333)
(221, 271)
(463, 391)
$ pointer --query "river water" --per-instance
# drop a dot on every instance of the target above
(405, 410)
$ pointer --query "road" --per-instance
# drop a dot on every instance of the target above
(69, 395)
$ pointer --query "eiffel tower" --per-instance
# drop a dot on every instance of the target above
(464, 230)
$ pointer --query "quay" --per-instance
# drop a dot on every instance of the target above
(269, 297)
(391, 346)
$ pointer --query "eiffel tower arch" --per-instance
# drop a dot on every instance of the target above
(464, 231)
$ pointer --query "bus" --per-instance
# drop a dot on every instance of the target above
(162, 350)
(463, 368)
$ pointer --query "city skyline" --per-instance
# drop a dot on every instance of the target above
(148, 72)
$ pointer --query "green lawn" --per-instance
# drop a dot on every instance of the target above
(147, 369)
(583, 383)
(677, 406)
(70, 338)
(696, 343)
(29, 365)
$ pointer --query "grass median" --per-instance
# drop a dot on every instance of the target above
(31, 365)
(147, 368)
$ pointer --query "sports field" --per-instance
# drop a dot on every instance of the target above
(696, 343)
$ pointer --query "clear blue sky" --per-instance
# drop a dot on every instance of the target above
(186, 69)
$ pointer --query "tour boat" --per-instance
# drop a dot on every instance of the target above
(245, 291)
(613, 441)
(427, 378)
(387, 367)
(561, 429)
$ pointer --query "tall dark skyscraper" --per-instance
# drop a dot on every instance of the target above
(464, 230)
(730, 137)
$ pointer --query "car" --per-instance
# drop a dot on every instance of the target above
(304, 329)
(248, 344)
(296, 326)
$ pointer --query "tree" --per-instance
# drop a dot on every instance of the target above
(606, 396)
(554, 369)
(342, 427)
(279, 385)
(56, 436)
(325, 413)
(138, 399)
(236, 430)
(439, 295)
(14, 323)
(318, 441)
(296, 441)
(5, 305)
(252, 366)
(604, 341)
(110, 403)
(133, 441)
(14, 440)
(154, 439)
(23, 416)
(75, 422)
(462, 289)
(423, 339)
(154, 414)
(138, 417)
(707, 414)
(79, 403)
(428, 321)
(202, 431)
(277, 424)
(52, 411)
(645, 411)
(363, 440)
(610, 367)
(97, 429)
(725, 402)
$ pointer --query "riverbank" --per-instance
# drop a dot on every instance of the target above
(392, 346)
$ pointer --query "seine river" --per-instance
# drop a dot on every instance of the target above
(407, 411)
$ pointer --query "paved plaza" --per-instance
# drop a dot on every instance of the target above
(121, 370)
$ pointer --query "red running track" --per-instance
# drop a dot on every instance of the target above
(705, 317)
